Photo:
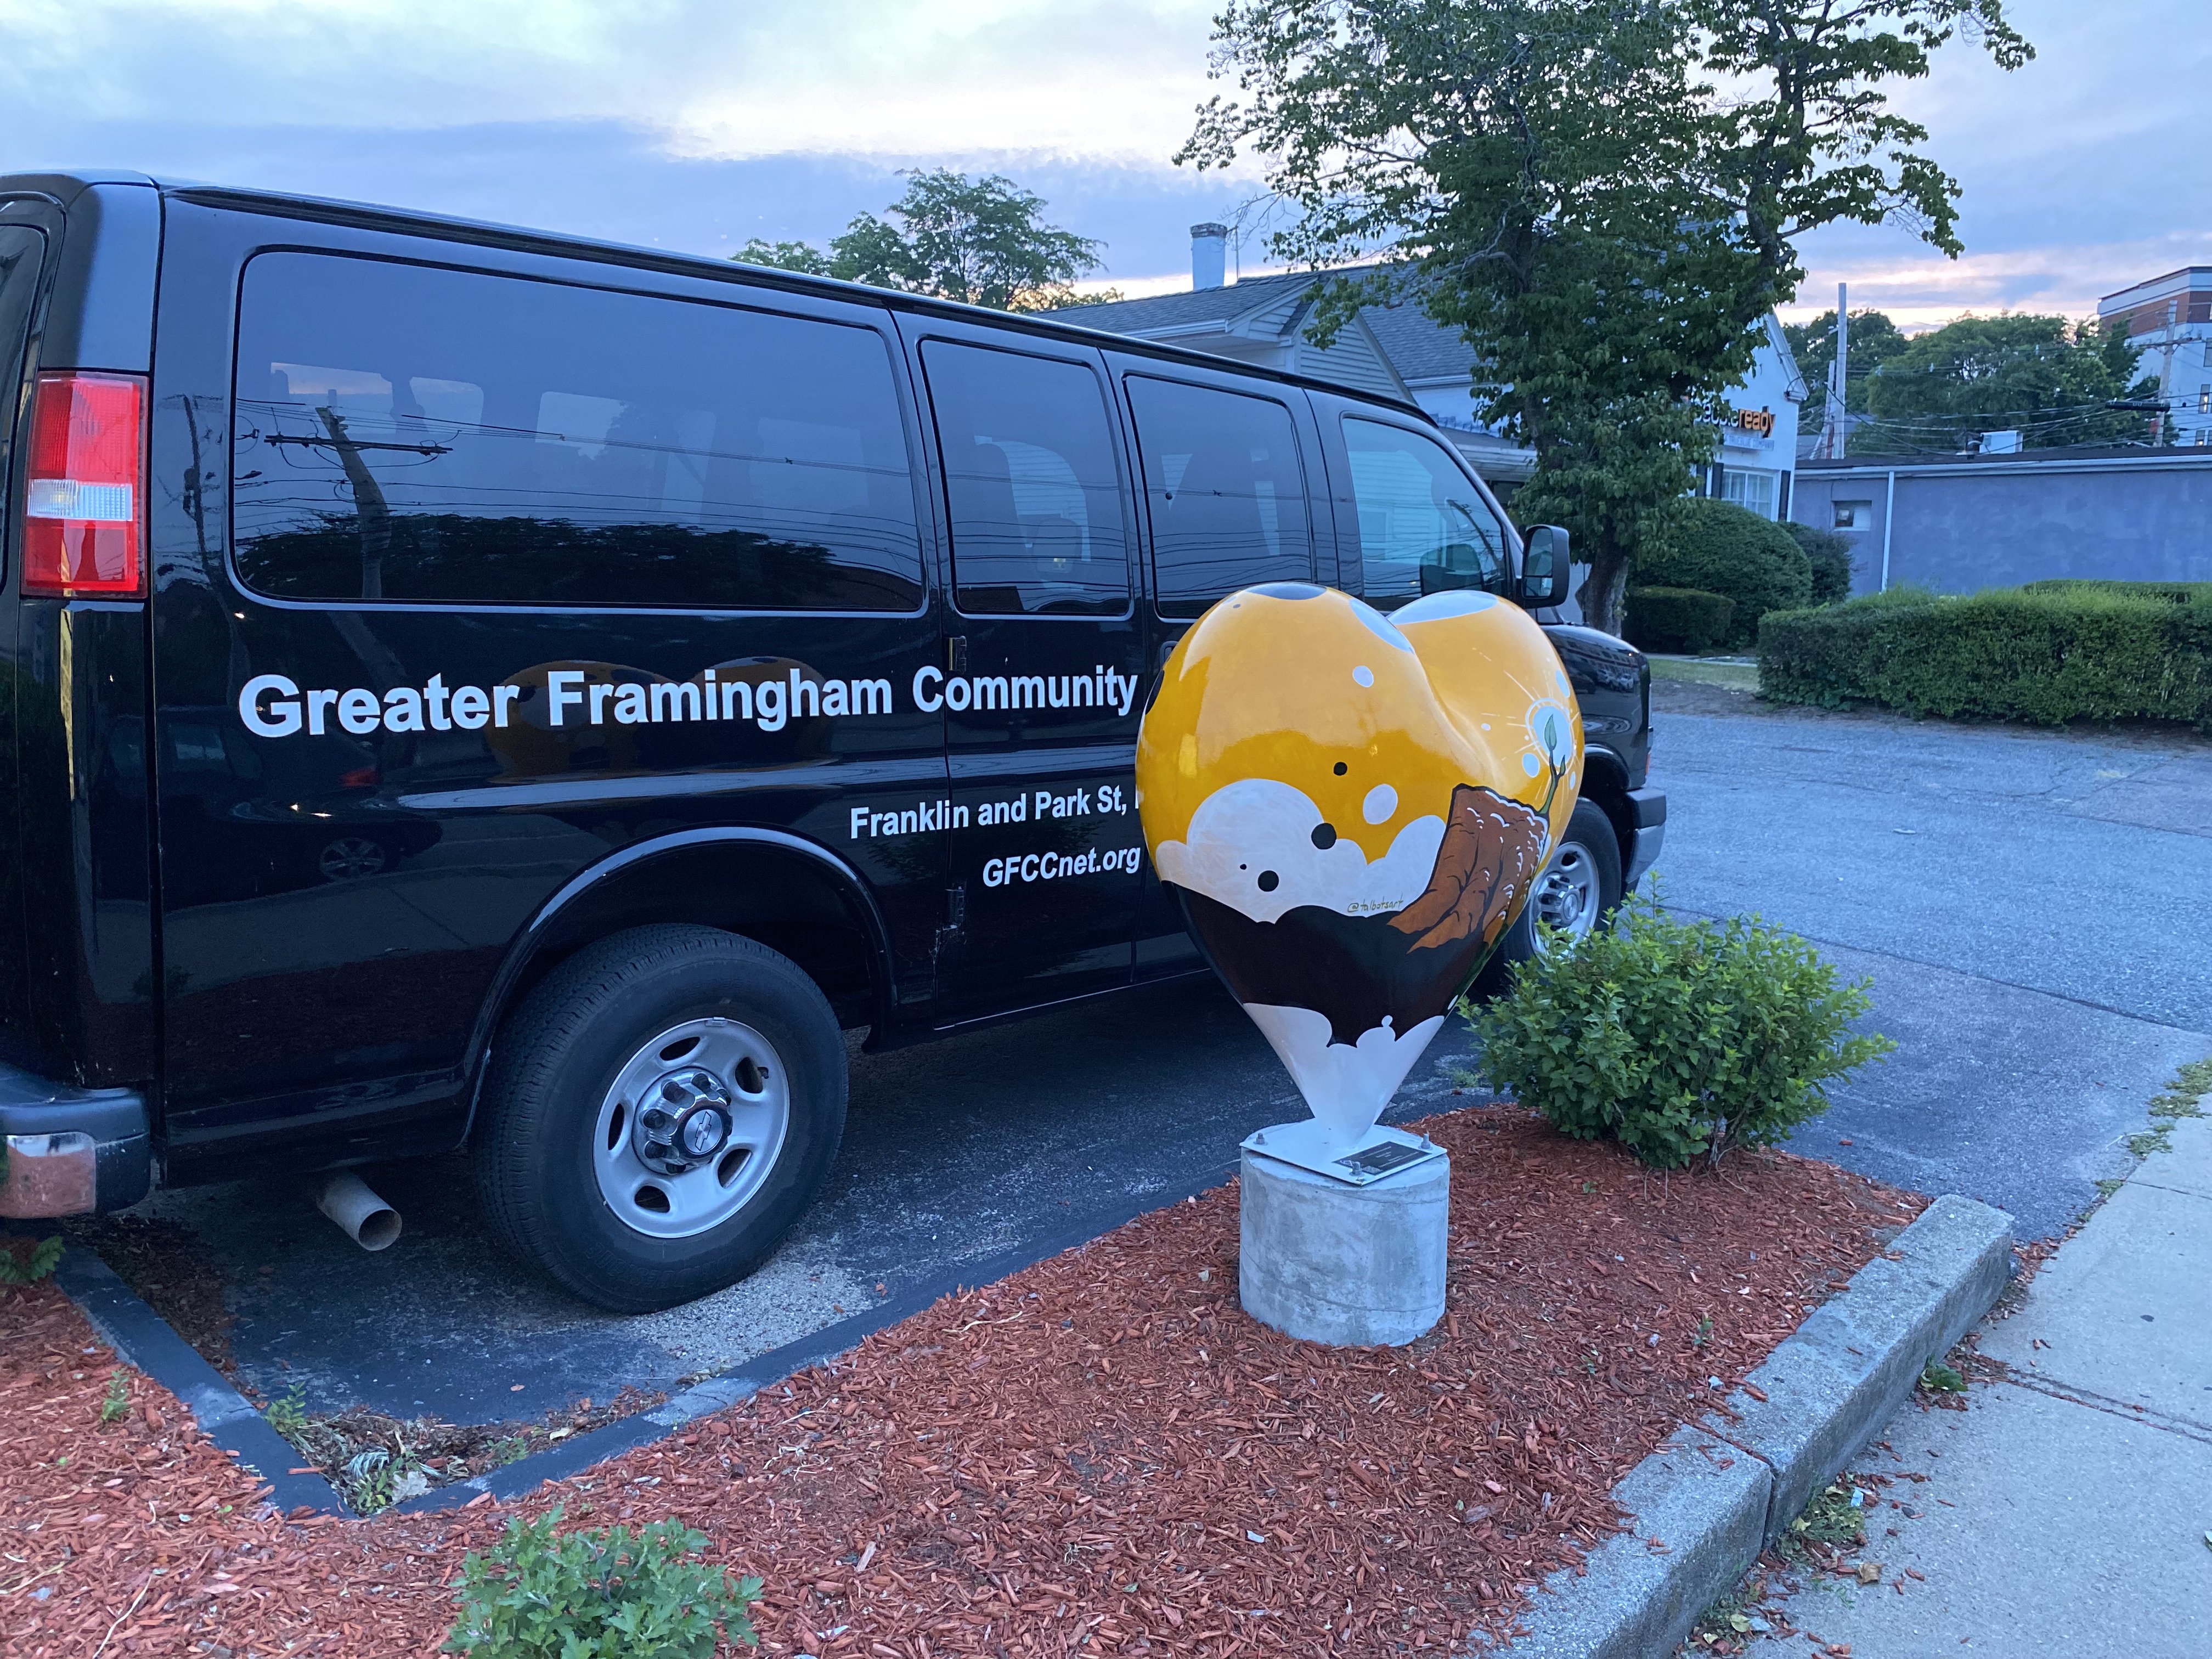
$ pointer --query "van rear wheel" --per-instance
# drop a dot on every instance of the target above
(659, 1112)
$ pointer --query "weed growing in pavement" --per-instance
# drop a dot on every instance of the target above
(1834, 1520)
(117, 1405)
(1729, 1622)
(1680, 1040)
(45, 1255)
(1940, 1378)
(2183, 1098)
(288, 1412)
(610, 1593)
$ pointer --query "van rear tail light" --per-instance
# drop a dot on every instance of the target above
(83, 505)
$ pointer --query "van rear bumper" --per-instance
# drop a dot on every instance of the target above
(72, 1151)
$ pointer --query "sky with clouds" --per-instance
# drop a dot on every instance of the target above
(696, 124)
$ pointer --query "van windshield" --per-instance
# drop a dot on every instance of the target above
(411, 433)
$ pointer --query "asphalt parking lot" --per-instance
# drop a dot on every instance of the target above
(2032, 907)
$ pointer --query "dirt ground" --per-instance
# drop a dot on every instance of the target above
(1101, 1452)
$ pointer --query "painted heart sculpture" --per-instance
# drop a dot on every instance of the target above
(1351, 809)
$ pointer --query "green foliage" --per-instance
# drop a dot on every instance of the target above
(1721, 548)
(115, 1405)
(43, 1257)
(602, 1594)
(1678, 619)
(288, 1412)
(1830, 1517)
(1828, 553)
(1937, 1377)
(2043, 655)
(1603, 198)
(982, 242)
(2047, 378)
(2171, 592)
(1874, 340)
(1676, 1038)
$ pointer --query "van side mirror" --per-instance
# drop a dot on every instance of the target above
(1543, 565)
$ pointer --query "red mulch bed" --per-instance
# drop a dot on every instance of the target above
(1101, 1453)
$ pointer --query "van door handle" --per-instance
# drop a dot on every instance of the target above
(956, 653)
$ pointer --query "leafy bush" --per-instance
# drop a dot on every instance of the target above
(42, 1259)
(607, 1594)
(2047, 654)
(1718, 547)
(1678, 618)
(2171, 593)
(1676, 1038)
(1830, 556)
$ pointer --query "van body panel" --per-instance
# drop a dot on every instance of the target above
(323, 1009)
(28, 227)
(80, 1006)
(1042, 755)
(102, 313)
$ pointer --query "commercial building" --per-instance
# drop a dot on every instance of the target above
(2169, 322)
(1959, 523)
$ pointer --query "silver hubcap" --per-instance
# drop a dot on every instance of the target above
(692, 1127)
(350, 856)
(1566, 898)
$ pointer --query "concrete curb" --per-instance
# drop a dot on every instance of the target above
(1717, 1491)
(142, 1338)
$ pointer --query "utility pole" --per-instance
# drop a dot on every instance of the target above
(1836, 420)
(2165, 374)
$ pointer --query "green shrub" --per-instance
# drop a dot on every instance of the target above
(608, 1594)
(1676, 1038)
(2171, 593)
(1718, 547)
(1678, 618)
(37, 1263)
(1829, 554)
(2045, 654)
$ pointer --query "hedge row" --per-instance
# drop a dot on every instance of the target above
(2042, 654)
(1718, 547)
(2171, 593)
(1678, 619)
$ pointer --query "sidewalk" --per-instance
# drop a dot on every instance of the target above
(2066, 1510)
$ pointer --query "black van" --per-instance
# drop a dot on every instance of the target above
(465, 686)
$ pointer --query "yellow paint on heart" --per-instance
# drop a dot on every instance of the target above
(1375, 723)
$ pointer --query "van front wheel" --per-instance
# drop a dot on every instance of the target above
(1575, 896)
(659, 1112)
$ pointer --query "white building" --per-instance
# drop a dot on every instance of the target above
(1399, 350)
(2169, 321)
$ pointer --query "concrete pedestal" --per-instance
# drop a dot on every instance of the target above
(1325, 1262)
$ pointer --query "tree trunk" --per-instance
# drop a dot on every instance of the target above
(1603, 590)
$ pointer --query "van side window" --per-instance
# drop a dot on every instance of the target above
(410, 433)
(1031, 478)
(1423, 526)
(1228, 502)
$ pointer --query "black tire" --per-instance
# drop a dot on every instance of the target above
(1590, 836)
(557, 1057)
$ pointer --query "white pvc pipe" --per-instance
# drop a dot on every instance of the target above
(1889, 514)
(361, 1215)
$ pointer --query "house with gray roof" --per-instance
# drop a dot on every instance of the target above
(1399, 350)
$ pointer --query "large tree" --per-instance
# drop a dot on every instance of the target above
(982, 242)
(1604, 195)
(1874, 340)
(2049, 380)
